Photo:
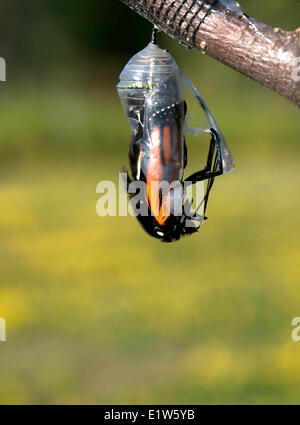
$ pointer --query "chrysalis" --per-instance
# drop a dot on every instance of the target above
(151, 90)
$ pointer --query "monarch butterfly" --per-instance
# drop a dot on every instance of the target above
(151, 90)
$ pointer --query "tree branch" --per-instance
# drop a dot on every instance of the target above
(270, 56)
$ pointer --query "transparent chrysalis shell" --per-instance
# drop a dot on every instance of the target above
(151, 91)
(145, 72)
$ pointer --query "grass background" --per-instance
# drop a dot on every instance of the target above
(97, 311)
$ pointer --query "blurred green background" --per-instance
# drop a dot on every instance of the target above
(96, 310)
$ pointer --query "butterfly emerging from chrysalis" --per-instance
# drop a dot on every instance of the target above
(151, 90)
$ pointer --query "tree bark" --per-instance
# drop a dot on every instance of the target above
(270, 56)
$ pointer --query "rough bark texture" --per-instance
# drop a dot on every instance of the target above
(268, 55)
